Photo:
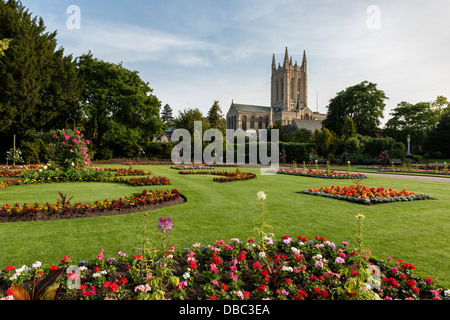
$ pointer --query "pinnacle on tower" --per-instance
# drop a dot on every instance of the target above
(273, 62)
(286, 58)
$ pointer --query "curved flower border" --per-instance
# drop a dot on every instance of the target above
(143, 200)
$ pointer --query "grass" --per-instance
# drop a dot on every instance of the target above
(416, 232)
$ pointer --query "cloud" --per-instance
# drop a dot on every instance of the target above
(120, 42)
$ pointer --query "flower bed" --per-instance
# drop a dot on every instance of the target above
(366, 195)
(444, 172)
(325, 174)
(227, 176)
(64, 209)
(192, 167)
(293, 268)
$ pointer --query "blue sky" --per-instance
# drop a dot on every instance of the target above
(193, 52)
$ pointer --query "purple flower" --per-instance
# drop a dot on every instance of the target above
(165, 225)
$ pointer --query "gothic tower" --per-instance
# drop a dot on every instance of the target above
(289, 84)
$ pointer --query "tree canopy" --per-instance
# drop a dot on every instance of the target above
(117, 108)
(38, 87)
(364, 103)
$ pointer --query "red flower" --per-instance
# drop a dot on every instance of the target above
(64, 260)
(113, 287)
(224, 286)
(242, 256)
(323, 293)
(300, 295)
(11, 268)
(261, 288)
(213, 298)
(411, 283)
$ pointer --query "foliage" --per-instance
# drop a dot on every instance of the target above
(39, 88)
(46, 289)
(216, 119)
(416, 120)
(364, 103)
(349, 129)
(120, 114)
(70, 148)
(4, 45)
(323, 140)
(291, 268)
(167, 116)
(14, 155)
(439, 138)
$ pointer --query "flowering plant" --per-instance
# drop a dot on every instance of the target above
(316, 173)
(366, 195)
(291, 268)
(70, 148)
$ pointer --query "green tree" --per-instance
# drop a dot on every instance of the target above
(187, 117)
(120, 114)
(416, 120)
(364, 103)
(302, 135)
(216, 119)
(439, 138)
(38, 87)
(349, 129)
(167, 115)
(323, 140)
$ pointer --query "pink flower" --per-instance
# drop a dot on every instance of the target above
(213, 268)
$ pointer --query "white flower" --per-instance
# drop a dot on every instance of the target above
(73, 164)
(262, 255)
(37, 264)
(261, 195)
(45, 167)
(186, 275)
(286, 268)
(83, 268)
(295, 250)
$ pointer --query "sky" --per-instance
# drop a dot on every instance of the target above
(193, 52)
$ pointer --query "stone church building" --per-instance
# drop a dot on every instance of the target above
(289, 102)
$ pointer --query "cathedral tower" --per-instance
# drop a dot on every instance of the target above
(289, 88)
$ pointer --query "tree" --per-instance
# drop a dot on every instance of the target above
(119, 112)
(216, 119)
(324, 140)
(416, 120)
(349, 129)
(38, 87)
(187, 117)
(302, 135)
(364, 103)
(439, 138)
(167, 116)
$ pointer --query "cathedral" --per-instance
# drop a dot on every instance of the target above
(289, 102)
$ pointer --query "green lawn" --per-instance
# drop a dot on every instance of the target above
(417, 232)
